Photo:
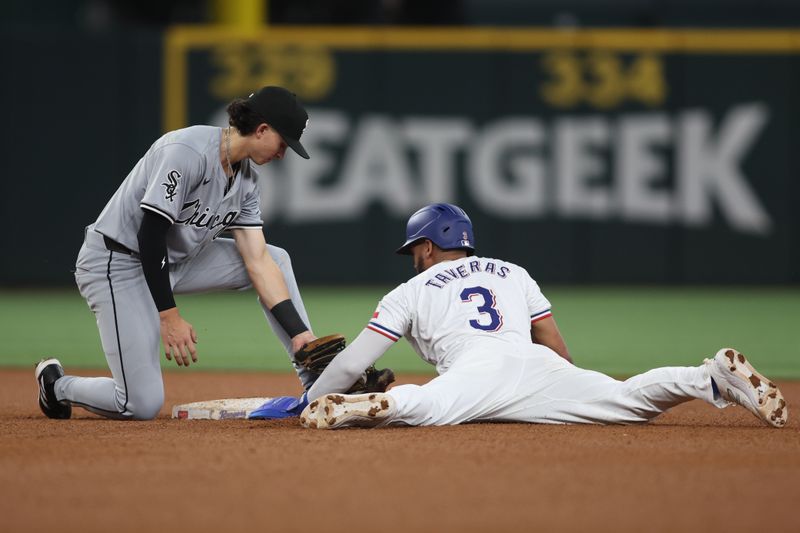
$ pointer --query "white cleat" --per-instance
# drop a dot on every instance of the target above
(738, 382)
(347, 410)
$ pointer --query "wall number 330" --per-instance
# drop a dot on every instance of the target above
(603, 80)
(490, 318)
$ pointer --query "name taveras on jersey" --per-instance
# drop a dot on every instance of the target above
(450, 274)
(200, 217)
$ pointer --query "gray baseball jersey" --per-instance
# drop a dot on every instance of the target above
(181, 178)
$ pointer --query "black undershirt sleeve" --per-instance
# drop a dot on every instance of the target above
(155, 263)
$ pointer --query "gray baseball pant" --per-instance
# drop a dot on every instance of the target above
(115, 289)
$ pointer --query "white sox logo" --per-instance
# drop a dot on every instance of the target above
(171, 184)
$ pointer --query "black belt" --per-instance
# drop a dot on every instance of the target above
(114, 246)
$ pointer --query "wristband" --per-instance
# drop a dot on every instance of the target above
(287, 316)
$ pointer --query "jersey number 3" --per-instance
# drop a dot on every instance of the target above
(487, 308)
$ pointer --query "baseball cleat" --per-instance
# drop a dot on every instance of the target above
(738, 382)
(47, 372)
(347, 410)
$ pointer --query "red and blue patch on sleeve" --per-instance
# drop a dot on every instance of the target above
(540, 315)
(383, 330)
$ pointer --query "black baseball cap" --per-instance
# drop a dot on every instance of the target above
(280, 109)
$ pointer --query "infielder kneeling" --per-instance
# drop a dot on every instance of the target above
(158, 236)
(474, 318)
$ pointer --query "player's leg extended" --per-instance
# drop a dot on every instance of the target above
(544, 389)
(114, 287)
(475, 386)
(562, 393)
(426, 405)
(471, 388)
(220, 267)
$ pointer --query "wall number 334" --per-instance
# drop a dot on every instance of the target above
(602, 80)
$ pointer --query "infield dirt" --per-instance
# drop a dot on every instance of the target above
(695, 468)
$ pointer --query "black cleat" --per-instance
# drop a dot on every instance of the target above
(47, 372)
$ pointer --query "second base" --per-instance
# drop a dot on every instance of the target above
(225, 409)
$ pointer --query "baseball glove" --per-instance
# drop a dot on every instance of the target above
(318, 354)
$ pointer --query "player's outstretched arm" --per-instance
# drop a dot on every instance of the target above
(350, 364)
(261, 268)
(270, 286)
(546, 333)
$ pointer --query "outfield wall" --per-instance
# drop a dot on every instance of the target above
(593, 156)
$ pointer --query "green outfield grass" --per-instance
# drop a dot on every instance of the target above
(620, 331)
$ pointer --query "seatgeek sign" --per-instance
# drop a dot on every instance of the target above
(649, 167)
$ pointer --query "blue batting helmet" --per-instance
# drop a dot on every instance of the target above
(446, 225)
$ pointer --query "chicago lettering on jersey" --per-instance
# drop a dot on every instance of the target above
(201, 218)
(450, 274)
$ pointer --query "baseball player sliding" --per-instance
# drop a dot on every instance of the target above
(474, 318)
(157, 236)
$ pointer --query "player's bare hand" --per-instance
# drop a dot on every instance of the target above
(178, 337)
(301, 339)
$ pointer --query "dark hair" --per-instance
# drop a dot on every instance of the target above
(241, 117)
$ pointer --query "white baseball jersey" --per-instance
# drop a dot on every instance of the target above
(181, 178)
(472, 317)
(455, 307)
